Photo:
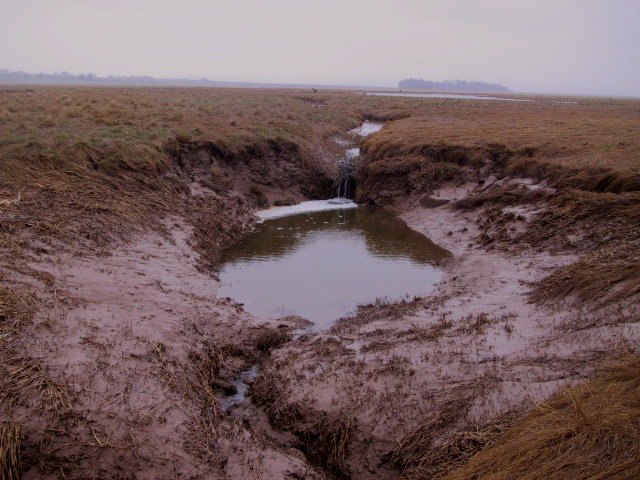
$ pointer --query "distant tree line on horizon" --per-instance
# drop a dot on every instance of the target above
(8, 77)
(452, 86)
(66, 78)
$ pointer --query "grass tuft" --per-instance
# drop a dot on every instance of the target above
(590, 431)
(10, 438)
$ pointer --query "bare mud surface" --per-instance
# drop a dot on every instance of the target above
(124, 337)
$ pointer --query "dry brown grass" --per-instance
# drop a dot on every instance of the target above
(16, 306)
(592, 145)
(81, 193)
(82, 167)
(324, 439)
(33, 405)
(589, 152)
(104, 163)
(195, 381)
(24, 383)
(10, 437)
(432, 462)
(604, 275)
(590, 431)
(326, 443)
(434, 448)
(271, 338)
(592, 134)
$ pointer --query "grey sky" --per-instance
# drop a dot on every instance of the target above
(580, 46)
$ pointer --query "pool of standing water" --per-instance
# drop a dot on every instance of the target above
(321, 265)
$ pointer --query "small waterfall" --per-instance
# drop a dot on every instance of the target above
(345, 182)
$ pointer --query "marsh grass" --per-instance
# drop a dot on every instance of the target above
(32, 403)
(271, 338)
(587, 155)
(10, 438)
(607, 274)
(590, 431)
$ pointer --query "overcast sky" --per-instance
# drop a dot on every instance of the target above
(579, 46)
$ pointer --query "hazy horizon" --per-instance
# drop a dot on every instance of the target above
(576, 47)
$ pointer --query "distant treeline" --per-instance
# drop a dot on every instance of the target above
(452, 86)
(65, 78)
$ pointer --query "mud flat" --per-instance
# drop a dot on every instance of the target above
(140, 339)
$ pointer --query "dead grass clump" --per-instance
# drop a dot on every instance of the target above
(457, 449)
(10, 438)
(82, 195)
(199, 382)
(205, 371)
(422, 449)
(271, 338)
(380, 310)
(476, 323)
(613, 182)
(600, 216)
(591, 431)
(503, 196)
(326, 443)
(16, 306)
(23, 382)
(609, 273)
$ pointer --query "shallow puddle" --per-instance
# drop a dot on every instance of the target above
(367, 128)
(321, 265)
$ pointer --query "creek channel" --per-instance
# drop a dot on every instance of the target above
(321, 259)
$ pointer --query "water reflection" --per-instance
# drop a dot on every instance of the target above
(322, 265)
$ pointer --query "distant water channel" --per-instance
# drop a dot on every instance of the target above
(461, 96)
(321, 265)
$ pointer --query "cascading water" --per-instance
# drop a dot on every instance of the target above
(345, 177)
(345, 182)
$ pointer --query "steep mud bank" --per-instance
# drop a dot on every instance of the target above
(272, 171)
(123, 340)
(142, 347)
(523, 200)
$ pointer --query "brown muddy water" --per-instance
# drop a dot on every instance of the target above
(322, 265)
